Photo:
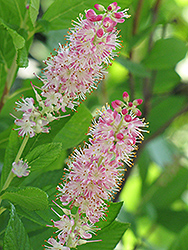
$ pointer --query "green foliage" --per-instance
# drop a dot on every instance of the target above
(155, 41)
(15, 235)
(30, 198)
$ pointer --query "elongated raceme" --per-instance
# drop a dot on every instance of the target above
(94, 173)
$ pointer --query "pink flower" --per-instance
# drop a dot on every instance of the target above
(20, 168)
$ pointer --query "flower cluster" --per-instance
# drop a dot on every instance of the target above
(94, 173)
(75, 70)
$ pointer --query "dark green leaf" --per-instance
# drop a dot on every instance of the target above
(166, 80)
(172, 220)
(113, 212)
(110, 237)
(15, 235)
(30, 198)
(163, 111)
(43, 155)
(75, 129)
(181, 241)
(59, 15)
(166, 53)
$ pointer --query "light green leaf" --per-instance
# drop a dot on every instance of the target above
(75, 129)
(165, 54)
(134, 68)
(33, 10)
(22, 58)
(18, 40)
(10, 155)
(43, 155)
(166, 189)
(30, 198)
(15, 234)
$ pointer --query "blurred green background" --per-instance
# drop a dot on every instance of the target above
(152, 65)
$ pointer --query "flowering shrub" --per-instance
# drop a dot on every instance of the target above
(52, 118)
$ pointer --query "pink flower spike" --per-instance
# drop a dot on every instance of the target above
(20, 168)
(120, 136)
(128, 118)
(99, 7)
(112, 6)
(124, 111)
(125, 96)
(100, 33)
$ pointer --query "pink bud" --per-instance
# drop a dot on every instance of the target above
(130, 104)
(118, 15)
(125, 96)
(98, 18)
(99, 7)
(107, 22)
(120, 136)
(138, 113)
(112, 6)
(100, 33)
(124, 111)
(27, 6)
(137, 102)
(115, 104)
(128, 118)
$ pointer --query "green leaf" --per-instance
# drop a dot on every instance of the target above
(172, 220)
(22, 58)
(30, 198)
(113, 212)
(110, 237)
(181, 241)
(75, 129)
(59, 14)
(43, 155)
(164, 109)
(166, 53)
(34, 10)
(15, 234)
(18, 40)
(10, 155)
(166, 80)
(166, 189)
(135, 68)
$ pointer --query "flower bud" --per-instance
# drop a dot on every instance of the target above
(112, 6)
(125, 96)
(137, 102)
(100, 33)
(124, 111)
(128, 118)
(99, 7)
(116, 104)
(120, 136)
